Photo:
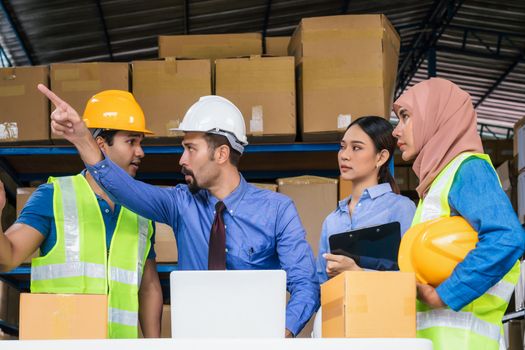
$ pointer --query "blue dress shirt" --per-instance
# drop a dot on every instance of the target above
(263, 231)
(378, 205)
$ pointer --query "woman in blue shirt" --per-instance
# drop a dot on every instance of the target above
(438, 130)
(366, 150)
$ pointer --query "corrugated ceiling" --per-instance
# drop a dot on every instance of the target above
(478, 44)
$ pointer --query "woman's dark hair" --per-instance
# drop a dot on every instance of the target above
(380, 131)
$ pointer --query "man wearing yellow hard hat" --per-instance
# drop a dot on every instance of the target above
(221, 221)
(88, 244)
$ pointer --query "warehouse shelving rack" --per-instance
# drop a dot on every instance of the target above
(260, 162)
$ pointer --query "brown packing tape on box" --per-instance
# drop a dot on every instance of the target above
(24, 111)
(10, 91)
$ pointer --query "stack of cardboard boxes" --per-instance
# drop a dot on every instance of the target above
(346, 68)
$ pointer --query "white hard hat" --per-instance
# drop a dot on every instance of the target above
(216, 115)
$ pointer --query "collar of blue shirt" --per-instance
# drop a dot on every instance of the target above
(233, 200)
(371, 192)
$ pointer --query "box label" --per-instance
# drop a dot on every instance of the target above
(9, 131)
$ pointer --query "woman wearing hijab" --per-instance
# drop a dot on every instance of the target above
(438, 130)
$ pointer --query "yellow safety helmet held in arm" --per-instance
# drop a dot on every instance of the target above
(115, 110)
(433, 248)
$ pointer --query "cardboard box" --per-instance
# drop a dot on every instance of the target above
(210, 46)
(63, 316)
(277, 45)
(24, 111)
(165, 325)
(315, 198)
(335, 87)
(345, 188)
(355, 305)
(521, 197)
(165, 244)
(271, 187)
(22, 196)
(166, 89)
(76, 83)
(263, 88)
(519, 142)
(504, 173)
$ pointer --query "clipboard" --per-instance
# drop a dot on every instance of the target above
(379, 242)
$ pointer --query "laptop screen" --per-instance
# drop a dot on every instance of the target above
(226, 304)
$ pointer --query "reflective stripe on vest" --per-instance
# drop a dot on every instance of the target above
(127, 318)
(70, 269)
(461, 320)
(77, 215)
(502, 290)
(483, 316)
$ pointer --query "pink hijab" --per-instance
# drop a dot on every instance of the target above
(444, 125)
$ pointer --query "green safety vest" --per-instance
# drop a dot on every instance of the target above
(478, 325)
(78, 263)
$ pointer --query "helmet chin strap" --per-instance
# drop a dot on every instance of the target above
(96, 132)
(234, 142)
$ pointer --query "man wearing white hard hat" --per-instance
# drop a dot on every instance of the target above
(220, 221)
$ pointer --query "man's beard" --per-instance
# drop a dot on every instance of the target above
(193, 186)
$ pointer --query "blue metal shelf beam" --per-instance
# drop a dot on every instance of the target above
(272, 148)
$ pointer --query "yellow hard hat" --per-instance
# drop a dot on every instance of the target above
(432, 249)
(115, 110)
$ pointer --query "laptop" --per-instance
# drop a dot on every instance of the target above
(228, 304)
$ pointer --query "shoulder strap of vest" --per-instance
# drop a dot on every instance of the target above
(435, 204)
